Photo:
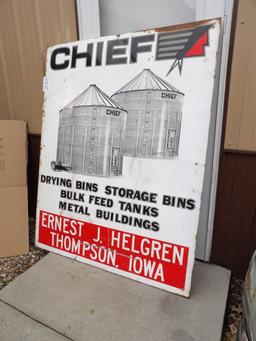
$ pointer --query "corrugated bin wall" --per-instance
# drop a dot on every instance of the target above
(154, 116)
(91, 134)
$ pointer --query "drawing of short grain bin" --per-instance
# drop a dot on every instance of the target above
(91, 134)
(154, 116)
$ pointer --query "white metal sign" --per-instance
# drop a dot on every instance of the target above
(123, 153)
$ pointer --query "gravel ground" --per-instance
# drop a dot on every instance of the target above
(11, 267)
(233, 310)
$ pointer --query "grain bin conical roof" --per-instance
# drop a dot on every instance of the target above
(93, 96)
(147, 80)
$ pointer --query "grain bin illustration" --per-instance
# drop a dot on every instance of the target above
(154, 116)
(91, 134)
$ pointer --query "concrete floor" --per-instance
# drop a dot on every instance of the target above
(61, 299)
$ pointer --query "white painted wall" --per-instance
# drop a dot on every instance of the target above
(121, 16)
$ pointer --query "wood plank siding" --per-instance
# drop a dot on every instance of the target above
(234, 233)
(27, 28)
(234, 238)
(241, 118)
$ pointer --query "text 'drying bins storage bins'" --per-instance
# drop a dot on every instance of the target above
(154, 116)
(91, 134)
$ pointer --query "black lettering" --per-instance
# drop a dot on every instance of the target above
(146, 210)
(98, 214)
(80, 55)
(129, 193)
(108, 190)
(138, 46)
(113, 112)
(63, 194)
(86, 186)
(166, 200)
(61, 65)
(173, 201)
(99, 53)
(94, 188)
(154, 212)
(155, 226)
(191, 204)
(138, 222)
(113, 51)
(168, 95)
(136, 208)
(181, 202)
(146, 224)
(62, 205)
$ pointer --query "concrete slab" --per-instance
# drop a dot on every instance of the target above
(86, 303)
(15, 326)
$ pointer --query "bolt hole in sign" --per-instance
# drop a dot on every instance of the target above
(124, 142)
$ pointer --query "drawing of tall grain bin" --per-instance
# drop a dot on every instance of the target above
(154, 116)
(91, 134)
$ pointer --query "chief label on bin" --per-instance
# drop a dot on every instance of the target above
(123, 152)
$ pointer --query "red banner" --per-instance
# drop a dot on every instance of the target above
(150, 258)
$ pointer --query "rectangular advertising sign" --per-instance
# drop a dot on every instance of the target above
(123, 150)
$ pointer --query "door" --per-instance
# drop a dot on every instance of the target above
(101, 17)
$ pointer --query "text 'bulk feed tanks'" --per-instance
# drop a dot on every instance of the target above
(91, 134)
(154, 116)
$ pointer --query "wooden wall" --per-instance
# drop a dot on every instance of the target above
(234, 237)
(27, 28)
(234, 233)
(241, 118)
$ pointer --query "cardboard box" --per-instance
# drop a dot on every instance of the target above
(14, 238)
(13, 153)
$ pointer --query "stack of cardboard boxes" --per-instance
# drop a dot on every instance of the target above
(13, 188)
